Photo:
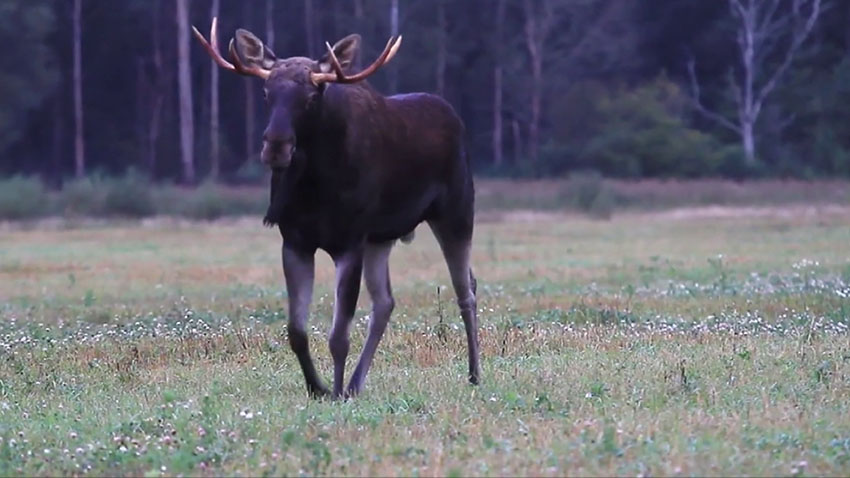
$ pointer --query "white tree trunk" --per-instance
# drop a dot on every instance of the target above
(392, 71)
(497, 115)
(517, 140)
(250, 110)
(184, 80)
(309, 28)
(269, 23)
(441, 47)
(215, 148)
(79, 146)
(748, 142)
(497, 86)
(536, 31)
(250, 113)
(157, 89)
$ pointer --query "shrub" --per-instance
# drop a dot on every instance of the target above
(22, 198)
(83, 197)
(631, 133)
(645, 135)
(206, 202)
(129, 195)
(588, 192)
(210, 201)
(251, 172)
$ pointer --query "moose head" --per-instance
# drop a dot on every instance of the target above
(291, 84)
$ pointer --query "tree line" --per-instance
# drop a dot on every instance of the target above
(658, 88)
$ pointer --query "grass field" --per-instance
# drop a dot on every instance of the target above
(693, 342)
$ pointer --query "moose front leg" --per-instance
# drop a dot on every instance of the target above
(349, 267)
(298, 269)
(376, 272)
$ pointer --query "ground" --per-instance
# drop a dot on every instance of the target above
(693, 342)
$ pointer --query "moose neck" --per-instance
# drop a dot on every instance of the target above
(322, 137)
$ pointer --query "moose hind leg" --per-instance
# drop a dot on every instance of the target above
(298, 269)
(456, 250)
(377, 275)
(348, 271)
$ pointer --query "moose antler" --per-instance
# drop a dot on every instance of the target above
(338, 76)
(237, 65)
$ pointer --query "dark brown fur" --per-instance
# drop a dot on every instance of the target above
(391, 164)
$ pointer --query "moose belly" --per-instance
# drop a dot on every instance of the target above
(400, 216)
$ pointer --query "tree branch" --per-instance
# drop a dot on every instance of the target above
(797, 39)
(695, 100)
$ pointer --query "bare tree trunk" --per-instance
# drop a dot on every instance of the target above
(442, 40)
(142, 98)
(847, 34)
(392, 71)
(184, 80)
(517, 140)
(748, 141)
(79, 146)
(215, 147)
(153, 129)
(250, 110)
(58, 135)
(158, 94)
(269, 23)
(310, 28)
(497, 86)
(536, 32)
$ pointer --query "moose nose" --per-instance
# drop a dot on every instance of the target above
(277, 150)
(270, 137)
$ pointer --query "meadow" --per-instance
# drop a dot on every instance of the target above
(700, 341)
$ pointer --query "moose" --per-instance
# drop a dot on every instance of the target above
(352, 172)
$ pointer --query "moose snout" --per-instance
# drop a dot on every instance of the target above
(277, 151)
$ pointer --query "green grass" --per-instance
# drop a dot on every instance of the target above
(651, 344)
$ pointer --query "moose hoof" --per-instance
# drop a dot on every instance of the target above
(318, 391)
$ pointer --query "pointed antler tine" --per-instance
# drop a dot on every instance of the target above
(212, 48)
(393, 49)
(214, 33)
(335, 61)
(390, 50)
(234, 57)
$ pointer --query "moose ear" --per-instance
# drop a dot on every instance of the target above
(345, 51)
(252, 50)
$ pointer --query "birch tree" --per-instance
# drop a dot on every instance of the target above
(310, 28)
(79, 144)
(539, 19)
(393, 71)
(215, 148)
(764, 30)
(497, 83)
(184, 81)
(250, 108)
(442, 47)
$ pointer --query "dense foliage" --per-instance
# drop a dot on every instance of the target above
(613, 90)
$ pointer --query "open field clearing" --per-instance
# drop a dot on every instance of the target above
(692, 342)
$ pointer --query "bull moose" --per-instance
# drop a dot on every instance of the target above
(353, 171)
